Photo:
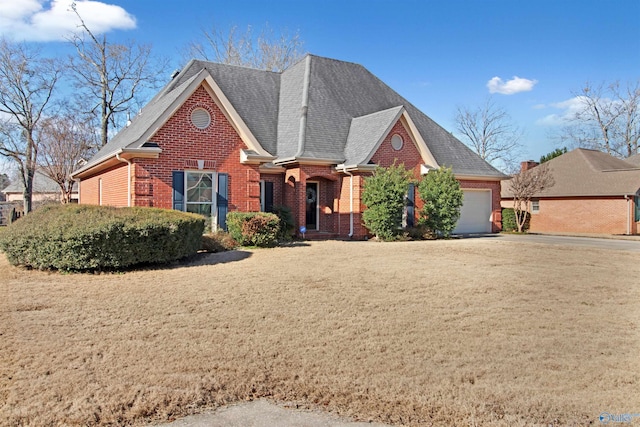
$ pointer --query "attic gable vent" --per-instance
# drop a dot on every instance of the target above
(396, 142)
(200, 118)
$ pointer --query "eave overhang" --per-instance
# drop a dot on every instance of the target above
(480, 177)
(112, 160)
(250, 157)
(307, 161)
(355, 168)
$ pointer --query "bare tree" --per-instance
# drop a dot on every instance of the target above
(524, 186)
(66, 140)
(113, 74)
(267, 51)
(490, 132)
(608, 119)
(27, 82)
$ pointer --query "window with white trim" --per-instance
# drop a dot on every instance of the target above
(200, 189)
(535, 206)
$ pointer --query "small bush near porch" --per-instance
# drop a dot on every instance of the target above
(260, 229)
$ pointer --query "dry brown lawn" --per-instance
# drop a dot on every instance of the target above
(476, 331)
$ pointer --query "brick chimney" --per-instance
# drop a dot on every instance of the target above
(528, 164)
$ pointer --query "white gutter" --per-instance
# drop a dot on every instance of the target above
(128, 162)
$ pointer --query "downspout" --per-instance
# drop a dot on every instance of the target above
(628, 199)
(128, 162)
(350, 201)
(305, 106)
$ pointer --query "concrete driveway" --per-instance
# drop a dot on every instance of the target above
(261, 413)
(623, 243)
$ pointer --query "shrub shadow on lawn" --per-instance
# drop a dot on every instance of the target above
(204, 258)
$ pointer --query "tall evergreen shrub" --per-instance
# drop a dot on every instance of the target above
(442, 197)
(384, 198)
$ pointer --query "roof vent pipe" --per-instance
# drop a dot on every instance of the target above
(305, 106)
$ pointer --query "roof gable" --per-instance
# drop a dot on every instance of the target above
(583, 173)
(367, 133)
(600, 161)
(315, 110)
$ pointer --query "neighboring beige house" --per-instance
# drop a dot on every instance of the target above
(44, 190)
(593, 193)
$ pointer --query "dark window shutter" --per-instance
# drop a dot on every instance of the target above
(223, 200)
(411, 198)
(268, 196)
(178, 190)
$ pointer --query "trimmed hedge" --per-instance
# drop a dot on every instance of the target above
(83, 237)
(254, 228)
(509, 220)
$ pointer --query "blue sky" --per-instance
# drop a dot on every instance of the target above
(437, 54)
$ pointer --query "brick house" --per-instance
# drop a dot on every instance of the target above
(44, 190)
(593, 192)
(221, 138)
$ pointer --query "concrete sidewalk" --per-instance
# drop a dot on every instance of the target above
(261, 413)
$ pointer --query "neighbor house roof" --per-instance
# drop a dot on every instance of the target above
(318, 109)
(634, 160)
(41, 184)
(583, 173)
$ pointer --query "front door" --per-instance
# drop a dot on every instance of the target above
(312, 206)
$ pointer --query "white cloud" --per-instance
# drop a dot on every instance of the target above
(569, 108)
(50, 20)
(510, 87)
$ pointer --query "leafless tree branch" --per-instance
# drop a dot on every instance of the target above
(267, 51)
(524, 186)
(489, 131)
(608, 119)
(27, 82)
(112, 74)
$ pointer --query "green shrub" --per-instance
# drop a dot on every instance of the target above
(254, 228)
(287, 224)
(384, 197)
(509, 220)
(442, 197)
(83, 237)
(218, 241)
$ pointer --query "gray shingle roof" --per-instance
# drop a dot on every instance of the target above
(366, 131)
(634, 160)
(130, 136)
(583, 172)
(41, 184)
(340, 97)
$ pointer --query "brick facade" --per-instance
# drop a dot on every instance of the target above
(218, 149)
(184, 147)
(113, 185)
(583, 215)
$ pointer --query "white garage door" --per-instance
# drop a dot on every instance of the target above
(475, 214)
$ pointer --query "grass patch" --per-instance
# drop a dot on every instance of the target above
(446, 332)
